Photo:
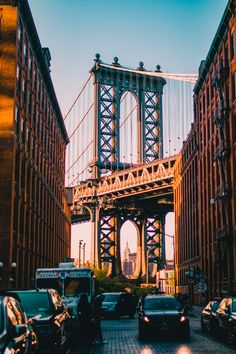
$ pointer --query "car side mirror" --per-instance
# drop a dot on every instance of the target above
(227, 310)
(19, 330)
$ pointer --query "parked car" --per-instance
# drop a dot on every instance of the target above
(163, 314)
(226, 319)
(208, 316)
(118, 304)
(16, 334)
(49, 318)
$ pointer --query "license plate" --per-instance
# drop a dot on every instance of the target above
(164, 328)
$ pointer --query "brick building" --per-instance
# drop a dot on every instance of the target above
(205, 194)
(34, 213)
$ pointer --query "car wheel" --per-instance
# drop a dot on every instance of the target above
(142, 334)
(217, 332)
(230, 337)
(131, 315)
(186, 335)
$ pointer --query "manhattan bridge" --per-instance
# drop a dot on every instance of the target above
(126, 127)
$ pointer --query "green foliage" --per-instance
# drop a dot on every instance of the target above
(171, 280)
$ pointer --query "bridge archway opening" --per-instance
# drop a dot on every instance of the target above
(128, 128)
(128, 247)
(169, 236)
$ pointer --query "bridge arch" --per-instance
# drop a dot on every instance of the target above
(128, 125)
(130, 248)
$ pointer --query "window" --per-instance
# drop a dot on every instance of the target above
(17, 118)
(22, 129)
(18, 80)
(19, 40)
(233, 87)
(23, 90)
(25, 52)
(232, 46)
(29, 104)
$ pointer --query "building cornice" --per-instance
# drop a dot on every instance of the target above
(215, 46)
(33, 37)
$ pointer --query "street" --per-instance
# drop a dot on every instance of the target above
(122, 338)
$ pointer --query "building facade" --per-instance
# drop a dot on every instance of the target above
(211, 267)
(34, 213)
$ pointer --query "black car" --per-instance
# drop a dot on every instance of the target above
(16, 334)
(118, 304)
(160, 314)
(208, 316)
(49, 318)
(226, 319)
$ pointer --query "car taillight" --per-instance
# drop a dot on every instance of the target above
(183, 318)
(146, 319)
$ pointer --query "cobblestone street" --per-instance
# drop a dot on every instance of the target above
(122, 338)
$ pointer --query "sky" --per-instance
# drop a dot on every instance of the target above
(175, 34)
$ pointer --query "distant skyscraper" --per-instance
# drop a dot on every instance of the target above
(129, 262)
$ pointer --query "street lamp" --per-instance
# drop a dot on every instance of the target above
(1, 269)
(84, 254)
(80, 245)
(147, 271)
(13, 272)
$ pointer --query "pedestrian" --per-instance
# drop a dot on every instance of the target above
(84, 316)
(97, 313)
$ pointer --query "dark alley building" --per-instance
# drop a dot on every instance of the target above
(34, 213)
(205, 175)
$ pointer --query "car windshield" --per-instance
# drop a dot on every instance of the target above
(35, 303)
(1, 318)
(161, 304)
(234, 305)
(76, 286)
(215, 306)
(111, 298)
(49, 283)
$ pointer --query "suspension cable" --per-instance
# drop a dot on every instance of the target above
(85, 149)
(78, 174)
(84, 116)
(179, 77)
(78, 96)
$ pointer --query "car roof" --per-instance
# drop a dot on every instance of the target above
(155, 296)
(114, 293)
(29, 291)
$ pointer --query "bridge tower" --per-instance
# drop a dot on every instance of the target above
(110, 83)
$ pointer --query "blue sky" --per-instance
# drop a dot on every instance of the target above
(176, 34)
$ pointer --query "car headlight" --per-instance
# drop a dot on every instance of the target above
(146, 319)
(183, 318)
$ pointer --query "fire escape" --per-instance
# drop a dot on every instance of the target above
(223, 188)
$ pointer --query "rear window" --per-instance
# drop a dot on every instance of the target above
(161, 304)
(234, 305)
(35, 303)
(111, 297)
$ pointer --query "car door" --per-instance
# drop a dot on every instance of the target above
(62, 316)
(227, 315)
(15, 324)
(207, 315)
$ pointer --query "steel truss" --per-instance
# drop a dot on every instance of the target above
(110, 85)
